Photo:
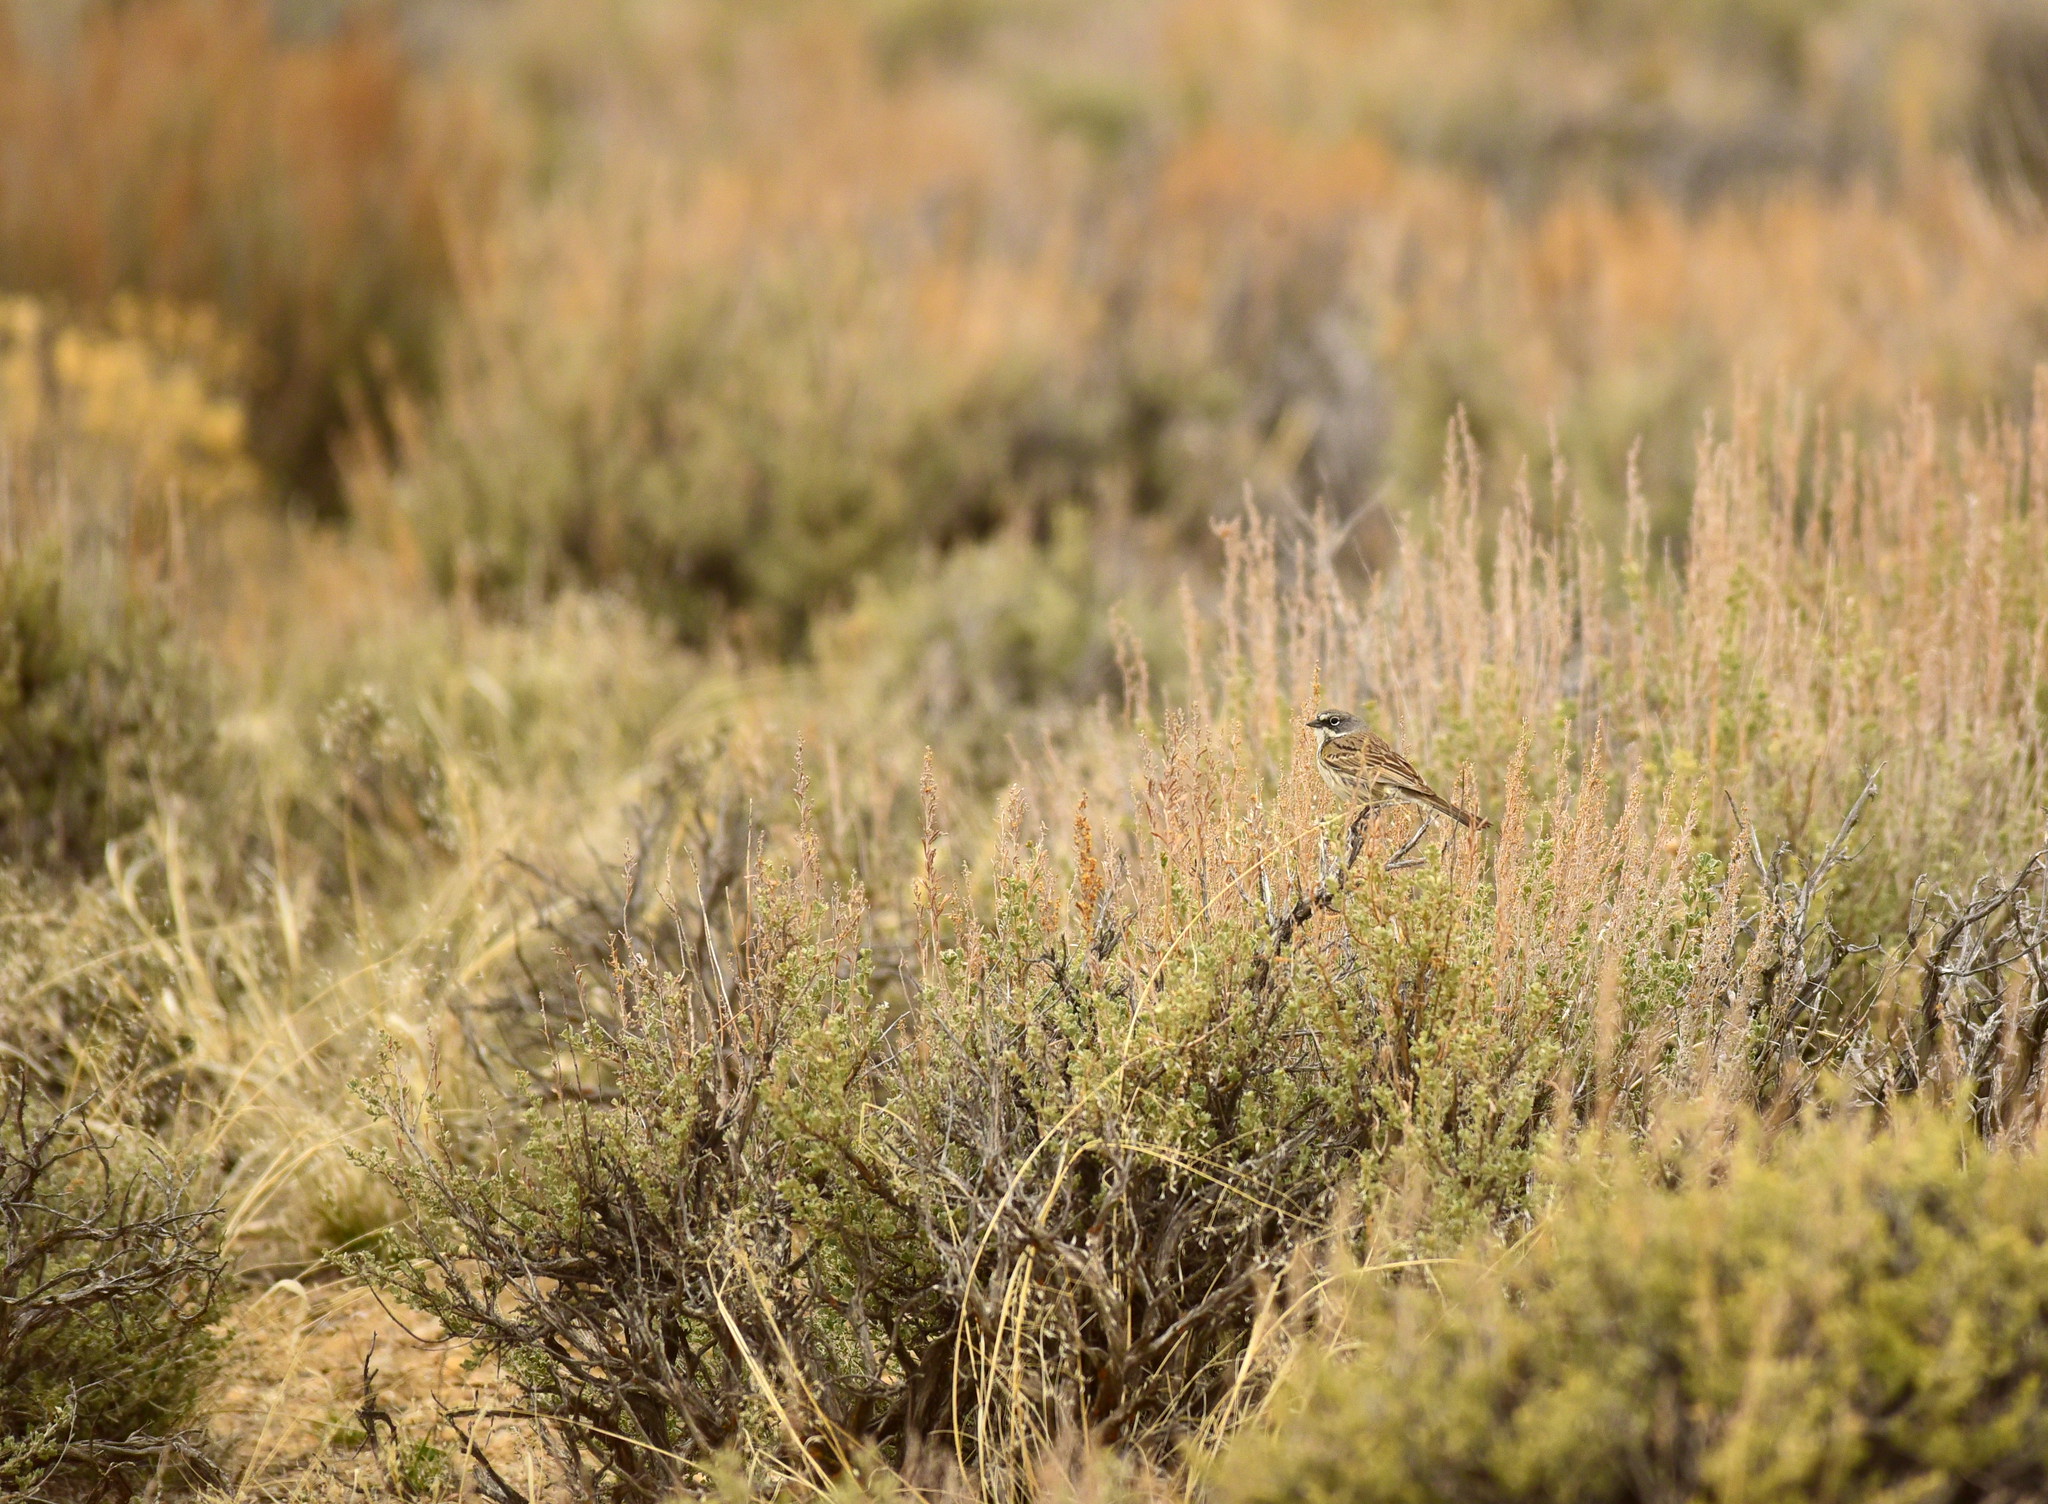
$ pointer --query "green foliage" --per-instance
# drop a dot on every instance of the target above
(97, 718)
(1000, 638)
(1845, 1313)
(420, 1468)
(756, 446)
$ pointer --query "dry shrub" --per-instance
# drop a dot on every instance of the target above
(123, 449)
(120, 446)
(740, 434)
(110, 1275)
(180, 150)
(1839, 606)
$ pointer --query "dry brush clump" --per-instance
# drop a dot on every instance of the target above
(97, 719)
(1838, 606)
(1045, 1184)
(110, 1277)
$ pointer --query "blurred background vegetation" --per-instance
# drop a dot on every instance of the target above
(732, 307)
(483, 480)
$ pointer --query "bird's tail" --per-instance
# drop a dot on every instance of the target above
(1442, 805)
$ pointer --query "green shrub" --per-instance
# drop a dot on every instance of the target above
(386, 771)
(99, 714)
(999, 639)
(109, 1280)
(1856, 1314)
(752, 446)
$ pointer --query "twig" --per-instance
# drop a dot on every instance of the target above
(370, 1414)
(1288, 924)
(490, 1483)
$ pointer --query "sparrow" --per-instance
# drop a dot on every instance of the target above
(1360, 765)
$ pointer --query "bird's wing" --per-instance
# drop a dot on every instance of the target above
(1347, 756)
(1370, 763)
(1384, 765)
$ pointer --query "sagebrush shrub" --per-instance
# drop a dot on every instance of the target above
(743, 452)
(109, 1280)
(1851, 1312)
(1035, 1171)
(385, 770)
(99, 717)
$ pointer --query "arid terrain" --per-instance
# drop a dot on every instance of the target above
(657, 831)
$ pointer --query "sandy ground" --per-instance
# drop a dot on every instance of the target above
(288, 1419)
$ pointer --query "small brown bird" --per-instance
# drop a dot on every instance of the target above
(1361, 765)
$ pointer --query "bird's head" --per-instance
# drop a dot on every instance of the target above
(1328, 723)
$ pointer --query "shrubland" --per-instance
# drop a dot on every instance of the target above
(112, 1277)
(759, 880)
(1029, 1153)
